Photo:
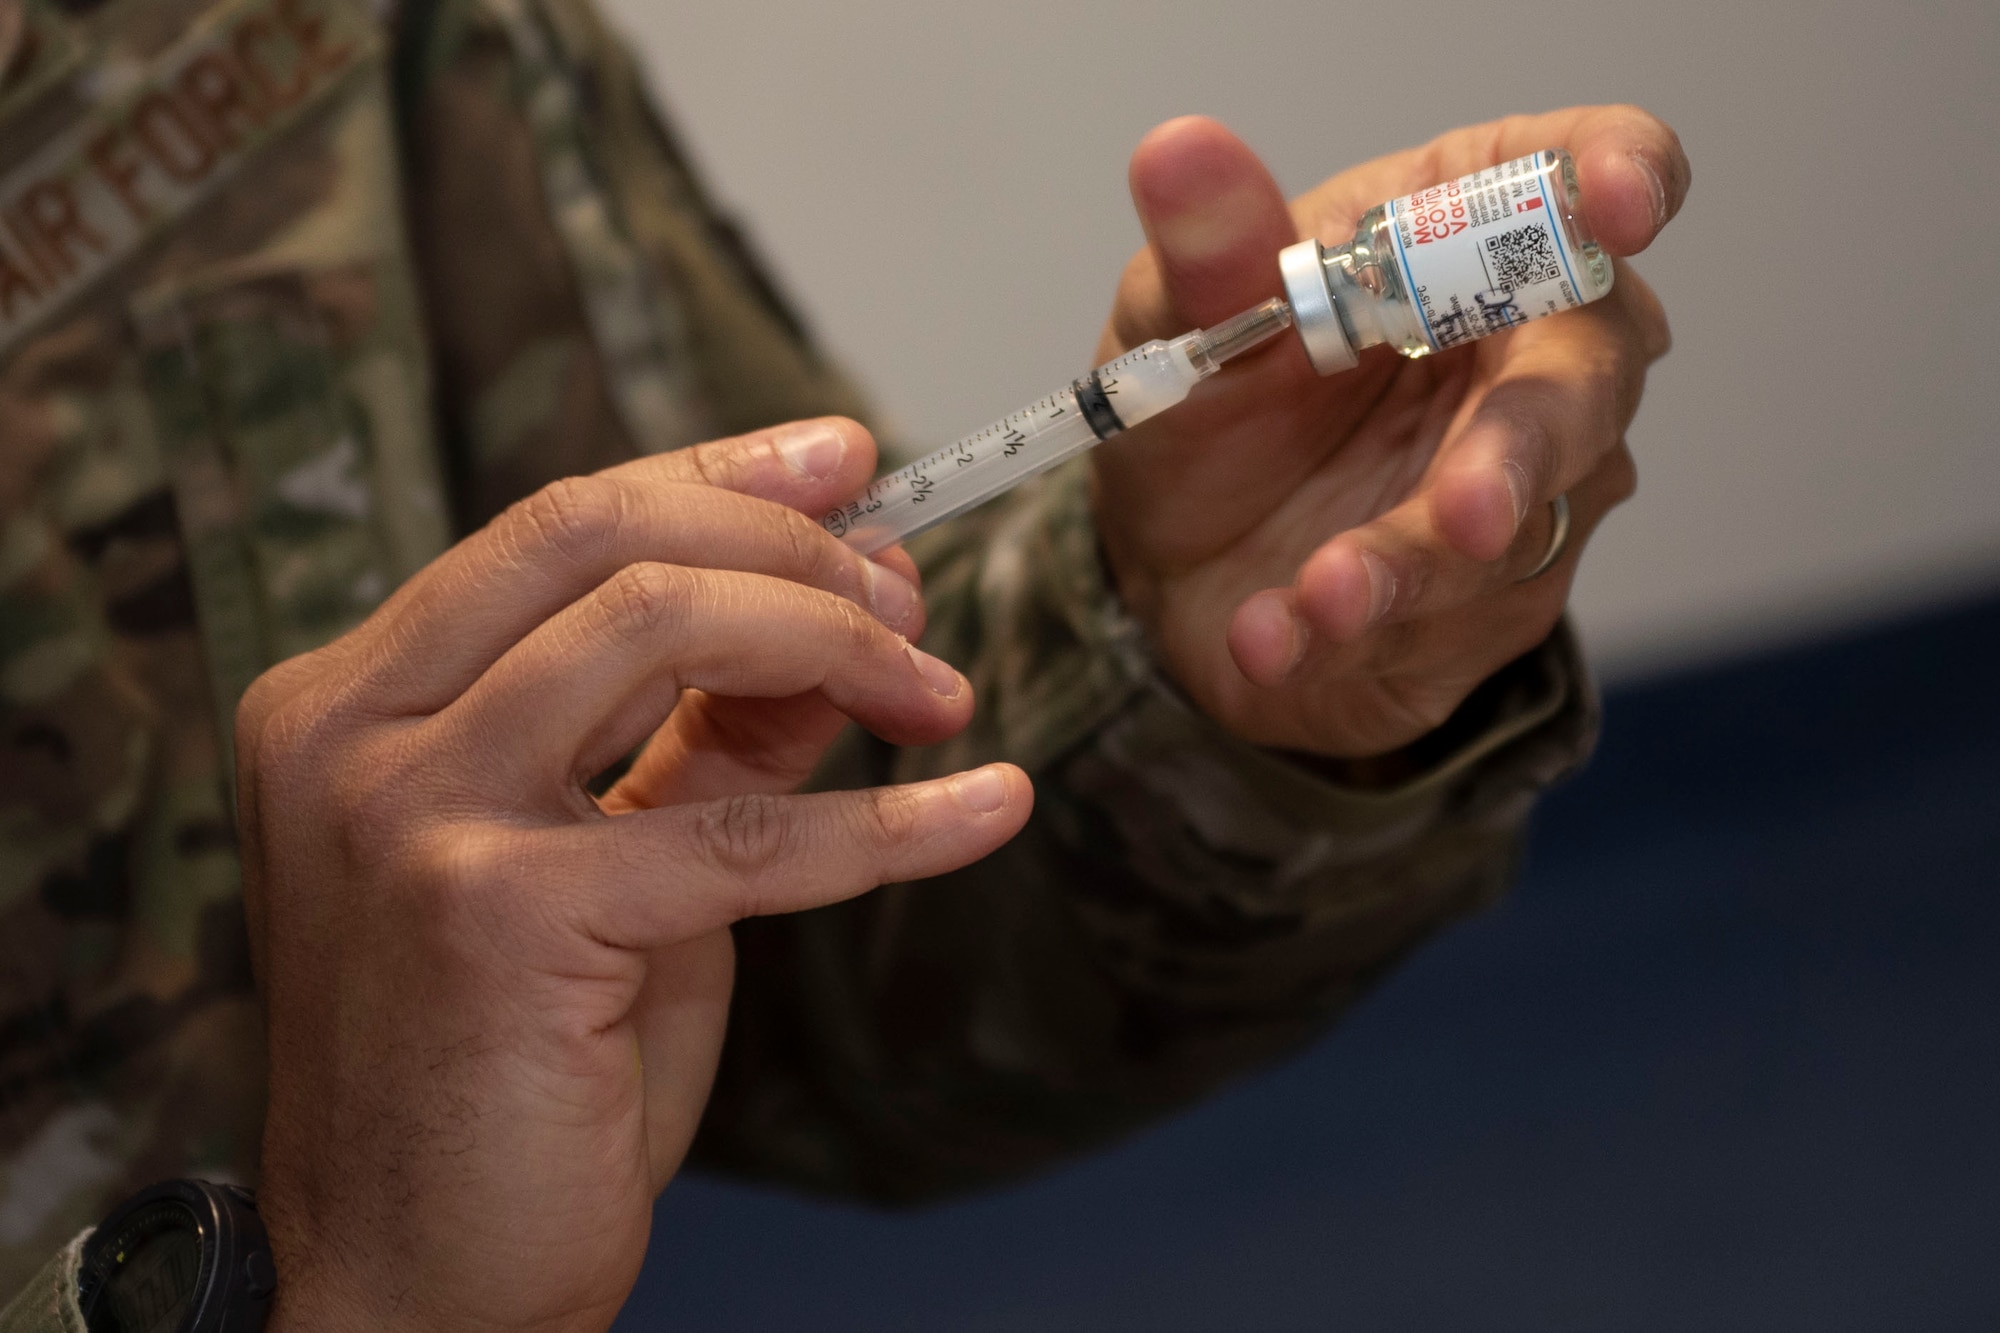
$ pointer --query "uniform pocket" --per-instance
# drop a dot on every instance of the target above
(272, 469)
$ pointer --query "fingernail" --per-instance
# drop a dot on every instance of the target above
(1656, 192)
(1211, 227)
(814, 452)
(1301, 640)
(1269, 622)
(983, 790)
(944, 682)
(1517, 489)
(1381, 586)
(890, 595)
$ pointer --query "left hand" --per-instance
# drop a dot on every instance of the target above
(494, 1005)
(1330, 565)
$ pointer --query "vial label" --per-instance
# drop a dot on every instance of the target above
(1486, 251)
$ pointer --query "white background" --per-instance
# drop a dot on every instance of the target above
(941, 187)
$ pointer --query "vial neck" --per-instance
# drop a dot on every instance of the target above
(1368, 291)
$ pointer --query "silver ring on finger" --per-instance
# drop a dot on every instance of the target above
(1558, 540)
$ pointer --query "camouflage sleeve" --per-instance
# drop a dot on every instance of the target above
(1182, 907)
(223, 454)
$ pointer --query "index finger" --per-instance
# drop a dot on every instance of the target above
(1631, 168)
(733, 504)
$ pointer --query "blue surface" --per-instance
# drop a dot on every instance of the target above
(1729, 1059)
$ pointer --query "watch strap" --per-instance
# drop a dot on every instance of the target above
(48, 1303)
(234, 1278)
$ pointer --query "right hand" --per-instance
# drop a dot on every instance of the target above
(1333, 564)
(495, 1004)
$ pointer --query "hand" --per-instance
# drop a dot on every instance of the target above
(1330, 564)
(496, 1004)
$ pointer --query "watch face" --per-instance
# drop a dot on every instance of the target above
(148, 1272)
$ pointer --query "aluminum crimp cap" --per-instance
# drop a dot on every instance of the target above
(1314, 315)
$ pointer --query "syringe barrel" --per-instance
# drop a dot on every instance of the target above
(1120, 393)
(963, 474)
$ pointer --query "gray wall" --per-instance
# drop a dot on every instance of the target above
(942, 187)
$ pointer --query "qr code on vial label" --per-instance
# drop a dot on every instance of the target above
(1522, 257)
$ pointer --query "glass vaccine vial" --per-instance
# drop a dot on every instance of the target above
(1448, 265)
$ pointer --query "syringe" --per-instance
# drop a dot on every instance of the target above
(1424, 273)
(1121, 393)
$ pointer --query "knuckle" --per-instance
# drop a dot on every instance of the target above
(574, 519)
(1655, 327)
(1417, 708)
(714, 463)
(293, 740)
(454, 878)
(1624, 474)
(1506, 131)
(742, 837)
(470, 860)
(803, 544)
(644, 598)
(1412, 574)
(1642, 321)
(1397, 641)
(269, 692)
(889, 817)
(860, 633)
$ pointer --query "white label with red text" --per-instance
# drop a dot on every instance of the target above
(1486, 251)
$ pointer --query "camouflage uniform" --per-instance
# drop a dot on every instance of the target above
(290, 293)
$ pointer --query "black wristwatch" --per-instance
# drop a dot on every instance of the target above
(183, 1257)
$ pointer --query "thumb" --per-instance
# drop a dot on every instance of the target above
(1214, 219)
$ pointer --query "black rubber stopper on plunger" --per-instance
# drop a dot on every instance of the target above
(1096, 405)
